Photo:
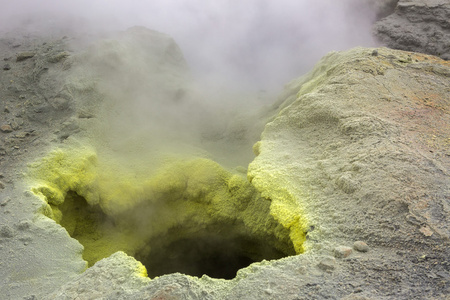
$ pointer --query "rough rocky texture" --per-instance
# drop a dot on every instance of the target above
(419, 25)
(363, 148)
(121, 273)
(374, 108)
(342, 251)
(29, 266)
(357, 150)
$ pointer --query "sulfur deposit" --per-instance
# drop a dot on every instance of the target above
(183, 204)
(115, 183)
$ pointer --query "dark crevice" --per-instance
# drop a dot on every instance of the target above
(206, 253)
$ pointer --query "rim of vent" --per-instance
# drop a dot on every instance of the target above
(191, 195)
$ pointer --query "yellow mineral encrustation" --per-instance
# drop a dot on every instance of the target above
(189, 215)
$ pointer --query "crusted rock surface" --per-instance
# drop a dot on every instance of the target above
(357, 150)
(418, 25)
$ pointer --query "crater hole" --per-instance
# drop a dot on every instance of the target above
(218, 250)
(213, 254)
(192, 217)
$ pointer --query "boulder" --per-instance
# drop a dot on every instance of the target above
(419, 25)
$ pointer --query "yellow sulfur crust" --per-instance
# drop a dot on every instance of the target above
(109, 211)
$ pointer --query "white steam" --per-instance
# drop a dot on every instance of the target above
(241, 53)
(251, 44)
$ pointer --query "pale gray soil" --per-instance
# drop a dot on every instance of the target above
(361, 145)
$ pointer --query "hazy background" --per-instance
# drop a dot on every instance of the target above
(241, 53)
(251, 44)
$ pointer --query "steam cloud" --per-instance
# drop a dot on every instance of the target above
(240, 52)
(256, 44)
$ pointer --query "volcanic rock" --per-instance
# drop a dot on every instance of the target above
(25, 55)
(327, 263)
(360, 246)
(6, 128)
(419, 25)
(352, 150)
(342, 251)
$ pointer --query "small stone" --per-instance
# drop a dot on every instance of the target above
(24, 55)
(375, 52)
(360, 246)
(24, 225)
(58, 57)
(6, 231)
(268, 291)
(2, 185)
(426, 231)
(4, 202)
(6, 128)
(15, 125)
(6, 67)
(342, 251)
(26, 240)
(21, 135)
(327, 263)
(85, 115)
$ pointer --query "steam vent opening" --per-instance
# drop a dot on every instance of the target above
(207, 253)
(192, 217)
